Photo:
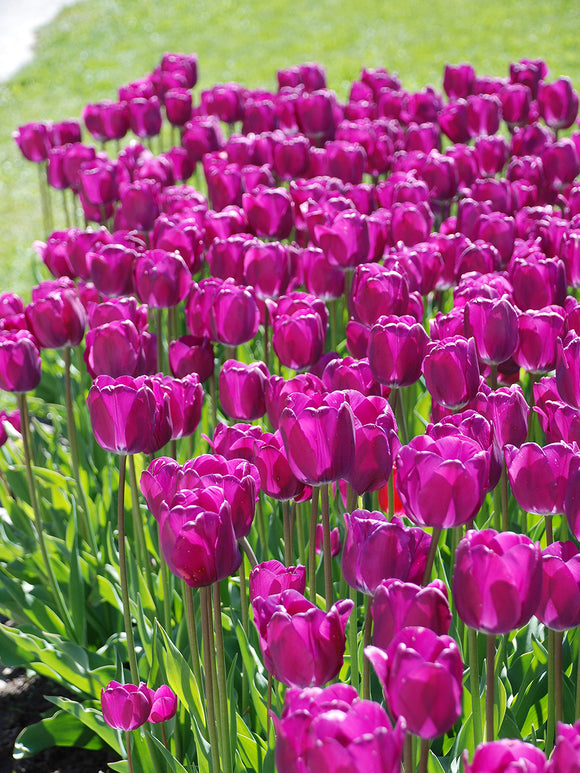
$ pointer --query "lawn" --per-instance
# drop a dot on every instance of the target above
(93, 47)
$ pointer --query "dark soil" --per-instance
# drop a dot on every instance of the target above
(22, 703)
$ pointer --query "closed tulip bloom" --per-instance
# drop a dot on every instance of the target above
(126, 706)
(538, 282)
(271, 578)
(568, 369)
(160, 482)
(107, 120)
(270, 212)
(378, 291)
(539, 331)
(178, 102)
(376, 549)
(302, 646)
(127, 417)
(118, 348)
(558, 103)
(411, 223)
(191, 354)
(421, 674)
(494, 325)
(396, 349)
(320, 277)
(111, 269)
(497, 580)
(319, 436)
(163, 704)
(566, 755)
(559, 606)
(451, 371)
(483, 114)
(538, 476)
(145, 117)
(458, 80)
(397, 605)
(279, 389)
(344, 241)
(277, 479)
(508, 412)
(323, 731)
(199, 544)
(238, 441)
(162, 279)
(516, 101)
(234, 315)
(185, 402)
(453, 121)
(242, 389)
(506, 755)
(266, 267)
(57, 320)
(139, 204)
(20, 363)
(348, 373)
(298, 338)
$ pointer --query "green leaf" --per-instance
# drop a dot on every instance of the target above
(60, 729)
(76, 584)
(251, 748)
(173, 764)
(91, 717)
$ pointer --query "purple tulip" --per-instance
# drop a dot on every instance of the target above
(145, 117)
(278, 391)
(538, 333)
(57, 320)
(516, 101)
(566, 755)
(298, 338)
(493, 324)
(119, 348)
(558, 103)
(442, 482)
(537, 281)
(20, 363)
(242, 389)
(224, 185)
(453, 120)
(378, 291)
(451, 371)
(276, 477)
(504, 756)
(483, 114)
(320, 277)
(506, 408)
(234, 316)
(239, 441)
(191, 354)
(538, 476)
(162, 279)
(397, 605)
(344, 241)
(163, 705)
(185, 402)
(266, 267)
(271, 578)
(559, 606)
(319, 436)
(302, 646)
(568, 369)
(421, 674)
(497, 580)
(270, 212)
(126, 706)
(111, 269)
(324, 731)
(458, 80)
(376, 549)
(411, 223)
(396, 349)
(127, 417)
(34, 141)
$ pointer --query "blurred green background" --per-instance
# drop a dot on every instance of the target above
(93, 47)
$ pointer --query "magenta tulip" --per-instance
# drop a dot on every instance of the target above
(270, 212)
(494, 326)
(566, 755)
(497, 581)
(126, 706)
(20, 363)
(559, 606)
(271, 578)
(396, 349)
(57, 320)
(277, 479)
(162, 279)
(538, 476)
(451, 371)
(234, 315)
(298, 338)
(242, 389)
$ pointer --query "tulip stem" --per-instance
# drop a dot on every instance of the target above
(577, 705)
(424, 758)
(288, 552)
(246, 626)
(138, 530)
(208, 657)
(166, 589)
(367, 640)
(558, 671)
(27, 443)
(551, 723)
(247, 548)
(192, 632)
(45, 199)
(89, 534)
(128, 740)
(490, 686)
(312, 545)
(353, 641)
(213, 395)
(431, 557)
(123, 569)
(267, 337)
(222, 680)
(549, 529)
(391, 491)
(159, 325)
(326, 549)
(408, 756)
(504, 499)
(300, 535)
(474, 686)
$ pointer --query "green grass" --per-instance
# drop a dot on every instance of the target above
(93, 47)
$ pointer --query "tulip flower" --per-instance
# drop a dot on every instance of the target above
(302, 646)
(270, 212)
(451, 371)
(191, 354)
(397, 605)
(126, 416)
(421, 674)
(493, 324)
(271, 578)
(20, 363)
(57, 320)
(163, 704)
(508, 412)
(118, 348)
(396, 349)
(568, 369)
(234, 315)
(298, 338)
(559, 606)
(277, 479)
(162, 278)
(504, 755)
(566, 755)
(323, 730)
(538, 476)
(497, 580)
(376, 549)
(558, 103)
(126, 706)
(242, 389)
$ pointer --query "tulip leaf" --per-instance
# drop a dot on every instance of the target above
(91, 717)
(60, 729)
(173, 765)
(256, 680)
(251, 748)
(434, 765)
(76, 586)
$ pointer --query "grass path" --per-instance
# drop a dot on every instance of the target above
(96, 45)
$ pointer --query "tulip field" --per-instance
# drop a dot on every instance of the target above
(290, 472)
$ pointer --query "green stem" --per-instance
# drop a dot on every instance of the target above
(222, 680)
(326, 549)
(367, 640)
(312, 545)
(166, 590)
(424, 758)
(577, 703)
(51, 577)
(408, 756)
(192, 632)
(261, 525)
(300, 535)
(551, 723)
(287, 533)
(431, 557)
(208, 657)
(159, 327)
(504, 499)
(128, 741)
(123, 570)
(247, 548)
(558, 673)
(138, 531)
(213, 395)
(490, 686)
(549, 529)
(67, 219)
(391, 491)
(474, 686)
(353, 641)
